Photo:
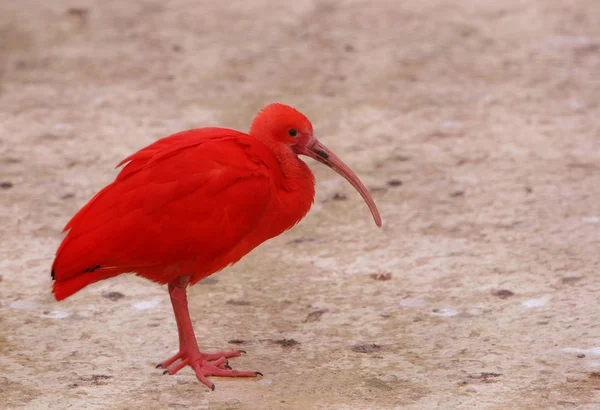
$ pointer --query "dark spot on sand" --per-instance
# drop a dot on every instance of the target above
(301, 240)
(503, 293)
(485, 377)
(381, 276)
(570, 280)
(315, 316)
(367, 348)
(114, 296)
(286, 342)
(594, 376)
(238, 302)
(78, 11)
(96, 379)
(48, 137)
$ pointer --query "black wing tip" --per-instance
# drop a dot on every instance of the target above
(86, 270)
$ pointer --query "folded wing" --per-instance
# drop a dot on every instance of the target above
(180, 202)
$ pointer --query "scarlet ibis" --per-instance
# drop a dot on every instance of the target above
(191, 204)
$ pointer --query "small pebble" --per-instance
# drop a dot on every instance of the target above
(57, 314)
(146, 304)
(412, 303)
(533, 303)
(446, 312)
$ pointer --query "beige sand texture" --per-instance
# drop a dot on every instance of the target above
(476, 124)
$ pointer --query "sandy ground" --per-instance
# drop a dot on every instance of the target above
(477, 127)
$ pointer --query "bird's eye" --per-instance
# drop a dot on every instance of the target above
(293, 132)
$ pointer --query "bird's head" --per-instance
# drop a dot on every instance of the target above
(284, 126)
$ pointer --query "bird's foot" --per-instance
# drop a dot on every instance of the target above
(204, 369)
(208, 364)
(181, 355)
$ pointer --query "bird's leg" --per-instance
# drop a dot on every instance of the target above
(189, 353)
(177, 291)
(181, 353)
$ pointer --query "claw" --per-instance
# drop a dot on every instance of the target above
(222, 362)
(242, 351)
(226, 365)
(258, 374)
(165, 372)
(158, 366)
(212, 387)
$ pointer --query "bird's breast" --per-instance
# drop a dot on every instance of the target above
(288, 205)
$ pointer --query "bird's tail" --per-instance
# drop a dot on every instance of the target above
(62, 289)
(77, 264)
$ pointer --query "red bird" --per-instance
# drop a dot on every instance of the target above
(191, 204)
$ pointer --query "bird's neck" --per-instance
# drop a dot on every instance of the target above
(296, 175)
(296, 186)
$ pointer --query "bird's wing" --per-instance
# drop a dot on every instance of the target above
(193, 195)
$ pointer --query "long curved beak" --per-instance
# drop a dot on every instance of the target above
(322, 154)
